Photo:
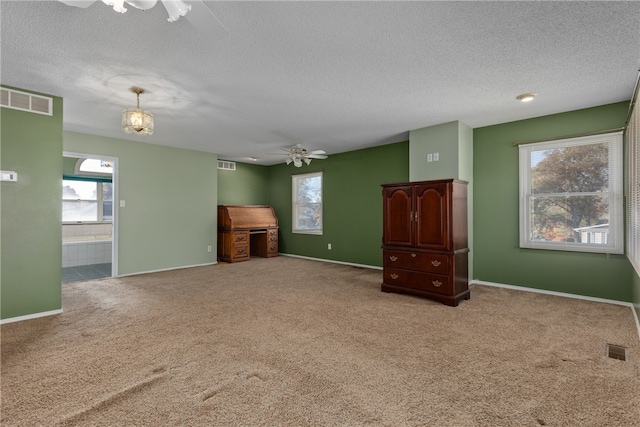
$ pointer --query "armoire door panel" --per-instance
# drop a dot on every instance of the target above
(398, 217)
(432, 223)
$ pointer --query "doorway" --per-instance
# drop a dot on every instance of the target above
(89, 217)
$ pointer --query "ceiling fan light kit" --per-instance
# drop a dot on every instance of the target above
(299, 154)
(135, 120)
(118, 5)
(175, 8)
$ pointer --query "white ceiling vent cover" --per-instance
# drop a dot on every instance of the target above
(228, 166)
(24, 101)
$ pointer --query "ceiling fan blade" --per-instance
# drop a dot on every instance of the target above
(205, 21)
(78, 3)
(318, 152)
(316, 156)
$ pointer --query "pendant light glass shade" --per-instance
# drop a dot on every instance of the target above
(135, 120)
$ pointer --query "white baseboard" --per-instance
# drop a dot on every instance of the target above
(373, 267)
(30, 316)
(565, 295)
(167, 269)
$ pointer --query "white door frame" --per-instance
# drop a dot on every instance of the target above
(115, 208)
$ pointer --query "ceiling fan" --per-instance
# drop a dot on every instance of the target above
(299, 154)
(200, 17)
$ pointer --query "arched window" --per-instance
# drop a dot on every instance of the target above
(94, 166)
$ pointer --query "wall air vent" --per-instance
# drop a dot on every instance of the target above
(23, 101)
(228, 166)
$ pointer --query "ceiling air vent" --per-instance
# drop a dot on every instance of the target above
(228, 166)
(23, 101)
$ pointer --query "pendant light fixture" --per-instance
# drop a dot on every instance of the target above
(135, 120)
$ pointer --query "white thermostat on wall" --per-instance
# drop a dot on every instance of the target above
(8, 176)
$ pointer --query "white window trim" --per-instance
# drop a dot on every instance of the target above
(294, 204)
(615, 244)
(633, 188)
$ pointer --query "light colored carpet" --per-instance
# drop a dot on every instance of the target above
(293, 342)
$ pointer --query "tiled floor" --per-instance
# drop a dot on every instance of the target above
(85, 272)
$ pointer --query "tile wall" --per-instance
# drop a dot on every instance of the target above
(85, 253)
(86, 244)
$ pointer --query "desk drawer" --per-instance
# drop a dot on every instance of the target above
(240, 251)
(240, 237)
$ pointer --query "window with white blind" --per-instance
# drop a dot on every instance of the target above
(571, 194)
(633, 196)
(307, 203)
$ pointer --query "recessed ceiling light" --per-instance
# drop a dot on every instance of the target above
(255, 159)
(526, 97)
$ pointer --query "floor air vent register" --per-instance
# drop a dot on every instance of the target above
(617, 352)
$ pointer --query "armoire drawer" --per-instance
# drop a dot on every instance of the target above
(415, 280)
(419, 261)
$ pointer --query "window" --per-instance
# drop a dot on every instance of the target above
(307, 203)
(87, 201)
(633, 197)
(571, 194)
(94, 166)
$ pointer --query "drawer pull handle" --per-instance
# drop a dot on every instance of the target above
(435, 263)
(394, 276)
(436, 283)
(393, 258)
(241, 237)
(413, 255)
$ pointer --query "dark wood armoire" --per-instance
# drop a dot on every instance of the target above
(424, 239)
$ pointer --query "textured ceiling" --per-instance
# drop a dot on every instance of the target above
(336, 76)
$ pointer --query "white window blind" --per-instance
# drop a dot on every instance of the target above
(633, 196)
(307, 203)
(571, 194)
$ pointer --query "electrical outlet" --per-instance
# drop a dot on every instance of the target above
(209, 249)
(329, 246)
(429, 157)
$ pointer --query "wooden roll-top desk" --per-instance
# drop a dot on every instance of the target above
(245, 231)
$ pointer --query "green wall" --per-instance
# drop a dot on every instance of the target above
(441, 139)
(352, 203)
(498, 257)
(69, 165)
(31, 210)
(247, 185)
(170, 195)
